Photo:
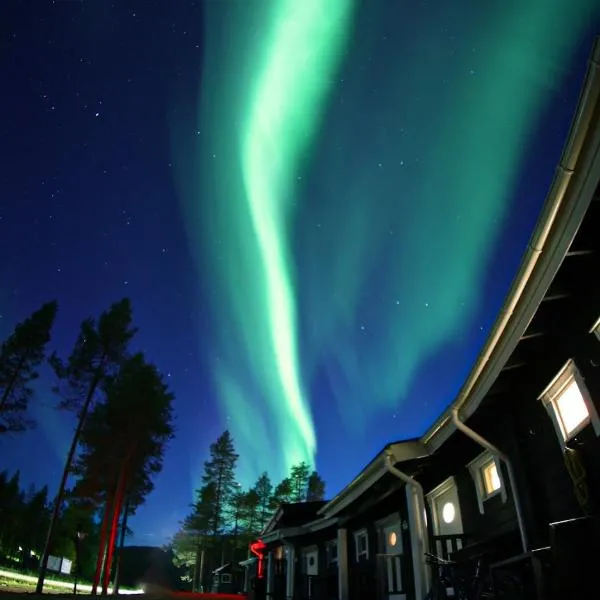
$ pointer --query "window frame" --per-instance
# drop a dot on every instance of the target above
(229, 578)
(476, 468)
(434, 495)
(596, 328)
(361, 533)
(568, 375)
(331, 560)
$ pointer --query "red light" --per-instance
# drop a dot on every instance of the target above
(257, 548)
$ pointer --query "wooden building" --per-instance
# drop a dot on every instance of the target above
(509, 475)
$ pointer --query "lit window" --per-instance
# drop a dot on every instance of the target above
(568, 403)
(571, 409)
(445, 509)
(491, 479)
(448, 512)
(487, 477)
(392, 539)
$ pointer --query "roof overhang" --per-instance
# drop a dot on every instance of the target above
(279, 535)
(272, 521)
(571, 192)
(402, 451)
(248, 562)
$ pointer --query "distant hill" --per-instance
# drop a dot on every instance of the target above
(150, 566)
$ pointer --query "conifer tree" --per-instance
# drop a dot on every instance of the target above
(219, 473)
(251, 515)
(316, 488)
(123, 445)
(264, 490)
(299, 475)
(283, 493)
(20, 357)
(100, 349)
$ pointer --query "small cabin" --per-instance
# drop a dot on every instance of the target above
(228, 579)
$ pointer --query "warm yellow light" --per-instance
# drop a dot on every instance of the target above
(392, 538)
(571, 408)
(491, 478)
(448, 512)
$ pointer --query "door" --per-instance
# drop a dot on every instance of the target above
(393, 556)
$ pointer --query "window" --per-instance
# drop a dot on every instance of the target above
(332, 552)
(569, 404)
(361, 543)
(596, 329)
(491, 479)
(487, 476)
(445, 508)
(226, 578)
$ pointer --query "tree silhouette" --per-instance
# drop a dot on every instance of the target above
(264, 490)
(20, 357)
(299, 475)
(316, 488)
(100, 349)
(123, 445)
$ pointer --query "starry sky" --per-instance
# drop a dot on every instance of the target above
(315, 207)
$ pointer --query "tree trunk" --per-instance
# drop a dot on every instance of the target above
(102, 544)
(121, 544)
(11, 384)
(118, 505)
(196, 568)
(201, 567)
(63, 482)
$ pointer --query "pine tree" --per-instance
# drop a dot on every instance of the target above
(100, 349)
(299, 481)
(20, 357)
(123, 445)
(251, 515)
(316, 488)
(283, 493)
(219, 472)
(264, 490)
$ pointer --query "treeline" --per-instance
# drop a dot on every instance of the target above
(24, 520)
(123, 410)
(225, 518)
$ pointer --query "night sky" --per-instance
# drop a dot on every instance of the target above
(316, 207)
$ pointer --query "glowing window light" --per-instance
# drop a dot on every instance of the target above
(571, 409)
(491, 478)
(448, 512)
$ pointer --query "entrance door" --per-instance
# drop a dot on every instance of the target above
(393, 556)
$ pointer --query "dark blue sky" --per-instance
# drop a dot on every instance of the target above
(91, 210)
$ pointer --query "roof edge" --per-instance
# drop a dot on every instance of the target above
(403, 451)
(564, 209)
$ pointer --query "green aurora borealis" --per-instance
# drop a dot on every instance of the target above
(343, 201)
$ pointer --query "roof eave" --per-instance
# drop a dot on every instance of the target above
(564, 209)
(402, 451)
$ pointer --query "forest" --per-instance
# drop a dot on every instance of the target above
(123, 412)
(225, 517)
(124, 419)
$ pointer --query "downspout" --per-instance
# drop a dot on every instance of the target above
(390, 461)
(507, 462)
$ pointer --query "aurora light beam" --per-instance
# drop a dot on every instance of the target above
(344, 202)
